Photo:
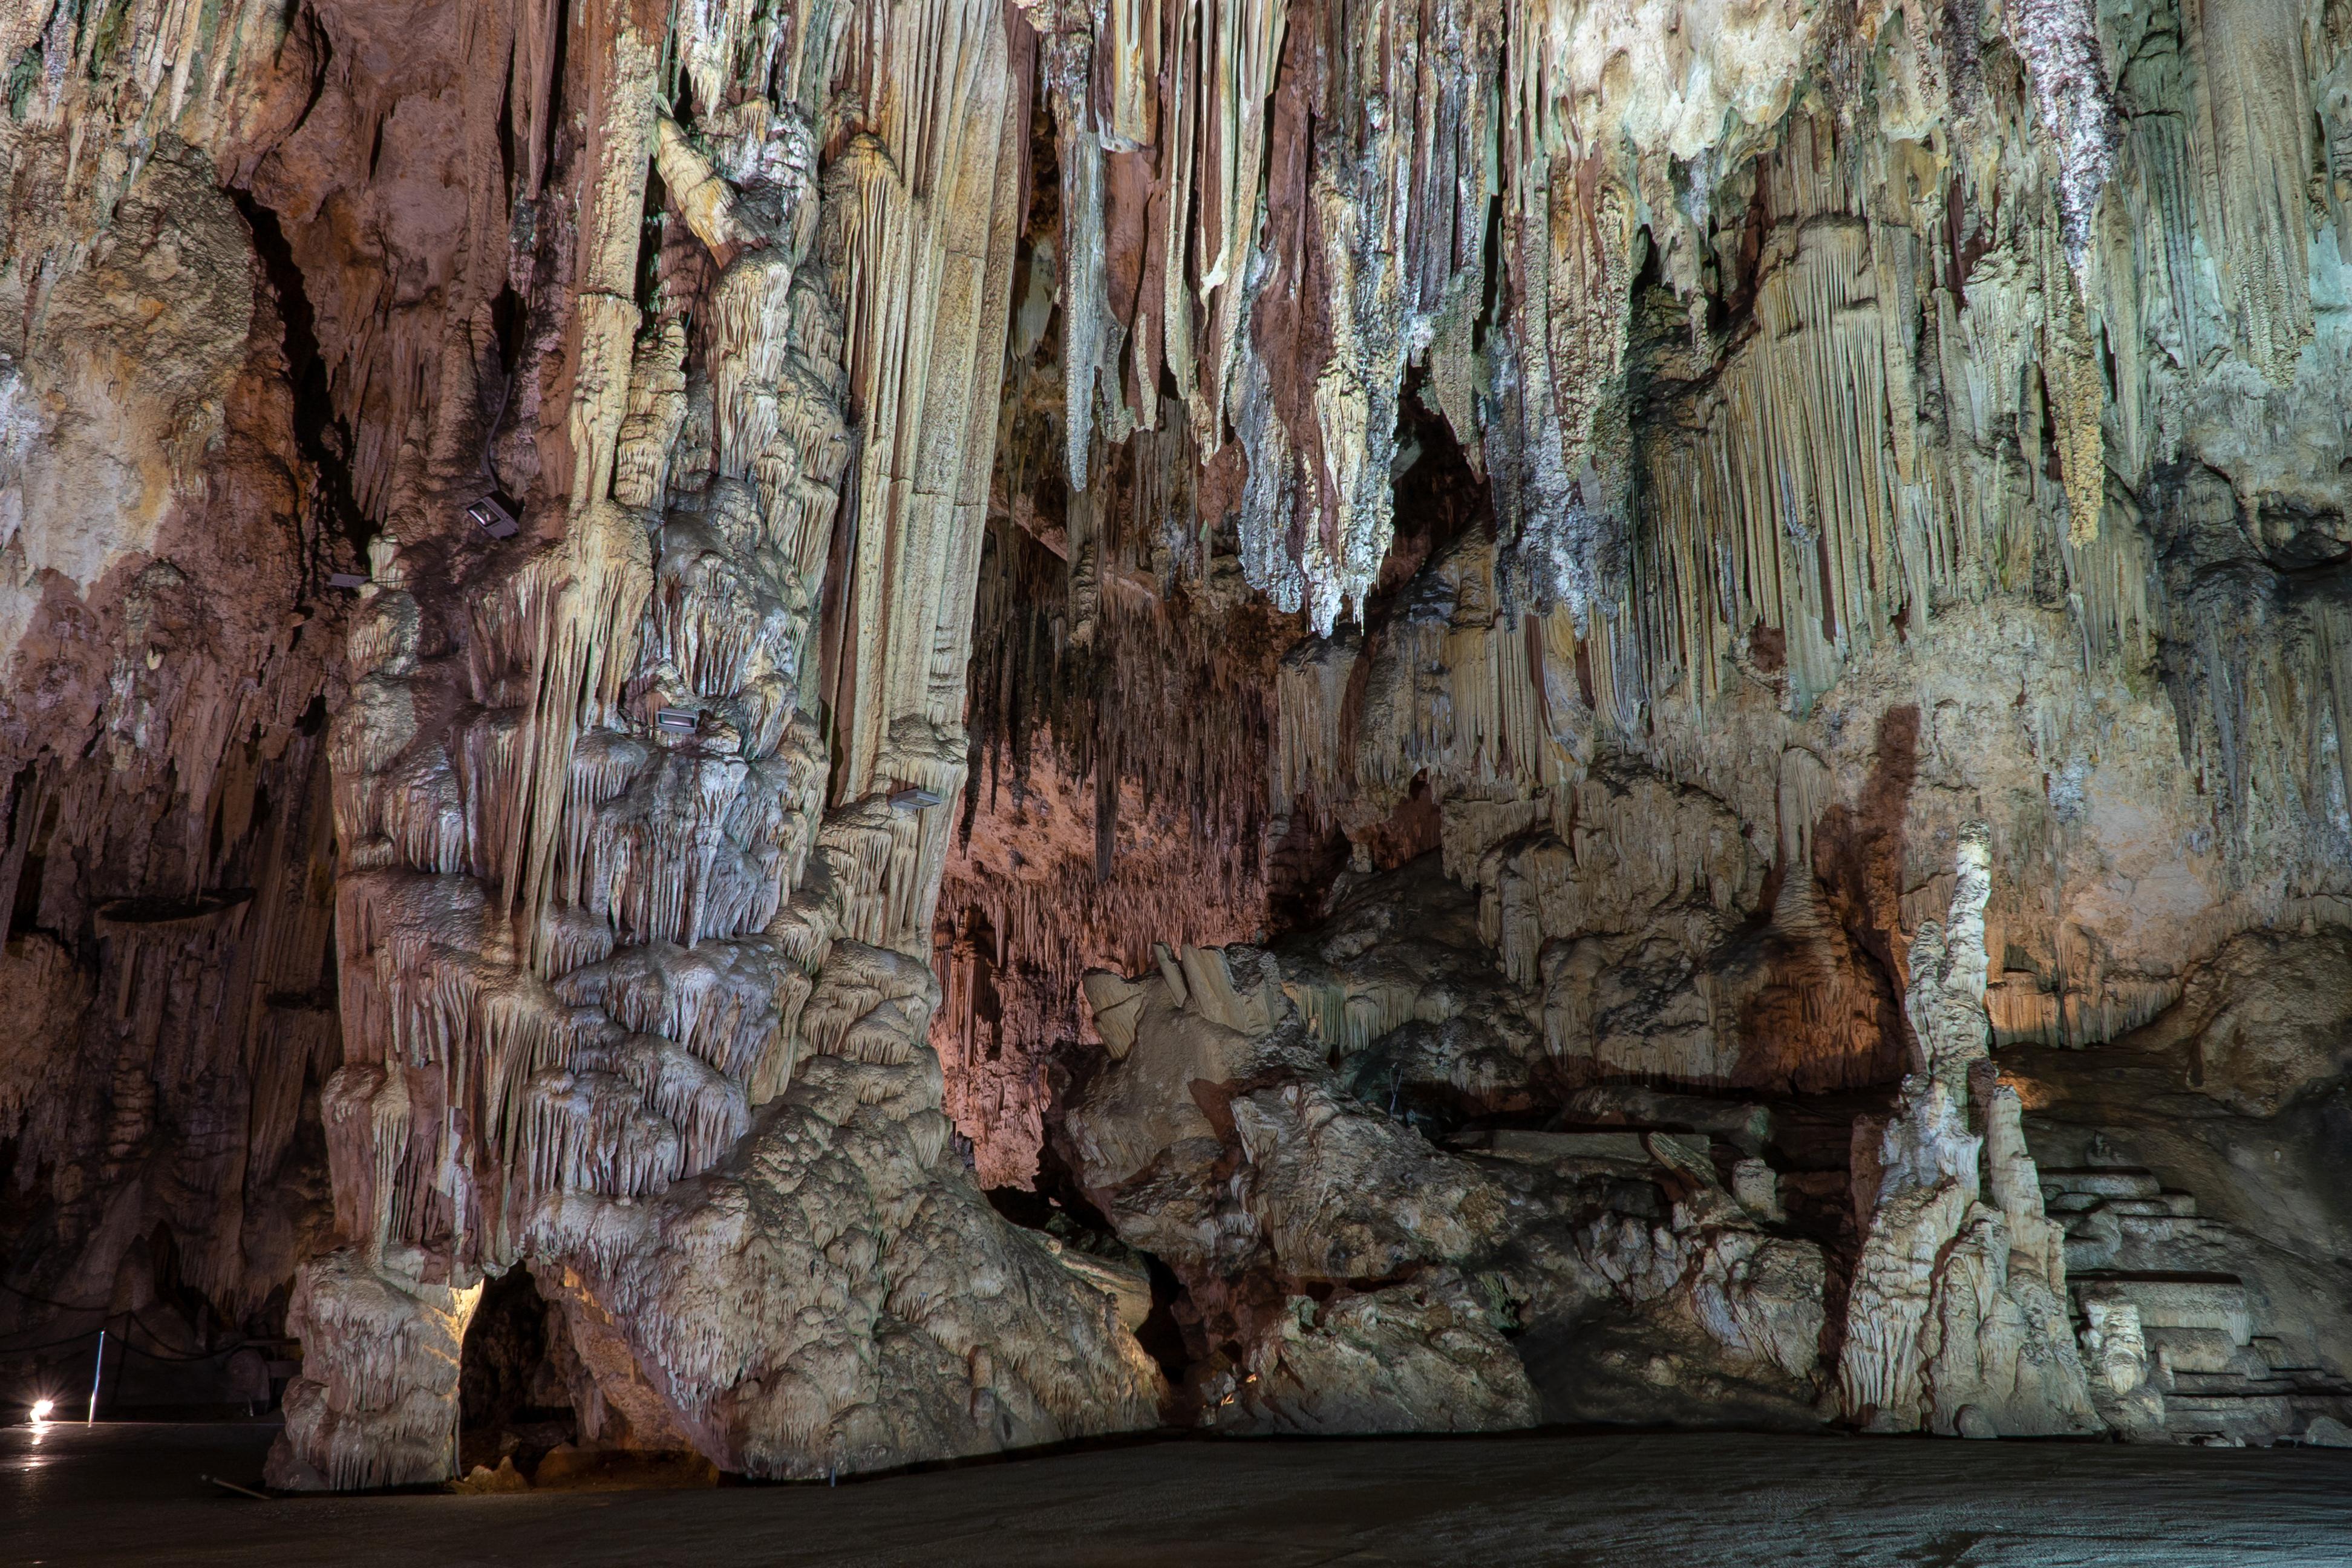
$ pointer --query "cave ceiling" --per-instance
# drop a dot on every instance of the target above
(893, 729)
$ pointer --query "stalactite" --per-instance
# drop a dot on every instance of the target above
(1231, 50)
(1456, 685)
(2254, 99)
(2059, 44)
(1840, 434)
(1779, 512)
(918, 226)
(1091, 333)
(1310, 700)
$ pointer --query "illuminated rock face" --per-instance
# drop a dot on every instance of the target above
(1356, 1277)
(1578, 710)
(668, 441)
(623, 984)
(1957, 1318)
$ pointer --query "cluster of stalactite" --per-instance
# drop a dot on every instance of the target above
(1015, 487)
(633, 821)
(1119, 641)
(657, 348)
(1764, 355)
(1174, 700)
(1888, 321)
(1120, 718)
(569, 960)
(187, 1020)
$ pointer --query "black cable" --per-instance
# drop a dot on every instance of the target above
(175, 1360)
(11, 1352)
(45, 1302)
(131, 1317)
(122, 1338)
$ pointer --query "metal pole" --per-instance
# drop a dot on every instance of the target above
(96, 1373)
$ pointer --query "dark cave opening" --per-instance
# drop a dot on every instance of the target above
(1438, 493)
(318, 430)
(513, 1404)
(1058, 1208)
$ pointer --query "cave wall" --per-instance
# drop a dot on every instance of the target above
(1942, 354)
(169, 644)
(653, 642)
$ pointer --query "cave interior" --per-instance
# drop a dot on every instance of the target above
(775, 738)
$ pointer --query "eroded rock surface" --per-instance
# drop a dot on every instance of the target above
(1512, 710)
(1346, 1273)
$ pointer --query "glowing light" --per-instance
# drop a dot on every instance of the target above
(2032, 1093)
(41, 1408)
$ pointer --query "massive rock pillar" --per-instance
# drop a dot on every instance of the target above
(626, 1002)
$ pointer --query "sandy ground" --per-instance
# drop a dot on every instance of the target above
(132, 1494)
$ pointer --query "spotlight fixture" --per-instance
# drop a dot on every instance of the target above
(676, 720)
(41, 1408)
(493, 519)
(345, 580)
(914, 798)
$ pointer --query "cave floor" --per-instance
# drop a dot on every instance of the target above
(133, 1493)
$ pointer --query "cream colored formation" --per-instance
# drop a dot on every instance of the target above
(624, 974)
(1949, 400)
(1884, 429)
(1271, 1123)
(1956, 341)
(1957, 1319)
(1898, 611)
(1357, 1279)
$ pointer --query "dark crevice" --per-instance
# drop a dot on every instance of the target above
(319, 432)
(555, 105)
(1059, 1208)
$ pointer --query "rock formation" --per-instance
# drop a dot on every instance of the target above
(1351, 1276)
(1956, 1318)
(774, 727)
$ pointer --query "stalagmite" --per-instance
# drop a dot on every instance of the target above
(1478, 713)
(379, 1396)
(1957, 1316)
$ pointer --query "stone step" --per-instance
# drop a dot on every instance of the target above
(2135, 1230)
(2288, 1361)
(2173, 1248)
(2169, 1205)
(2231, 1385)
(2258, 1419)
(2105, 1243)
(2206, 1352)
(1543, 1148)
(2215, 1301)
(2102, 1181)
(1618, 1147)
